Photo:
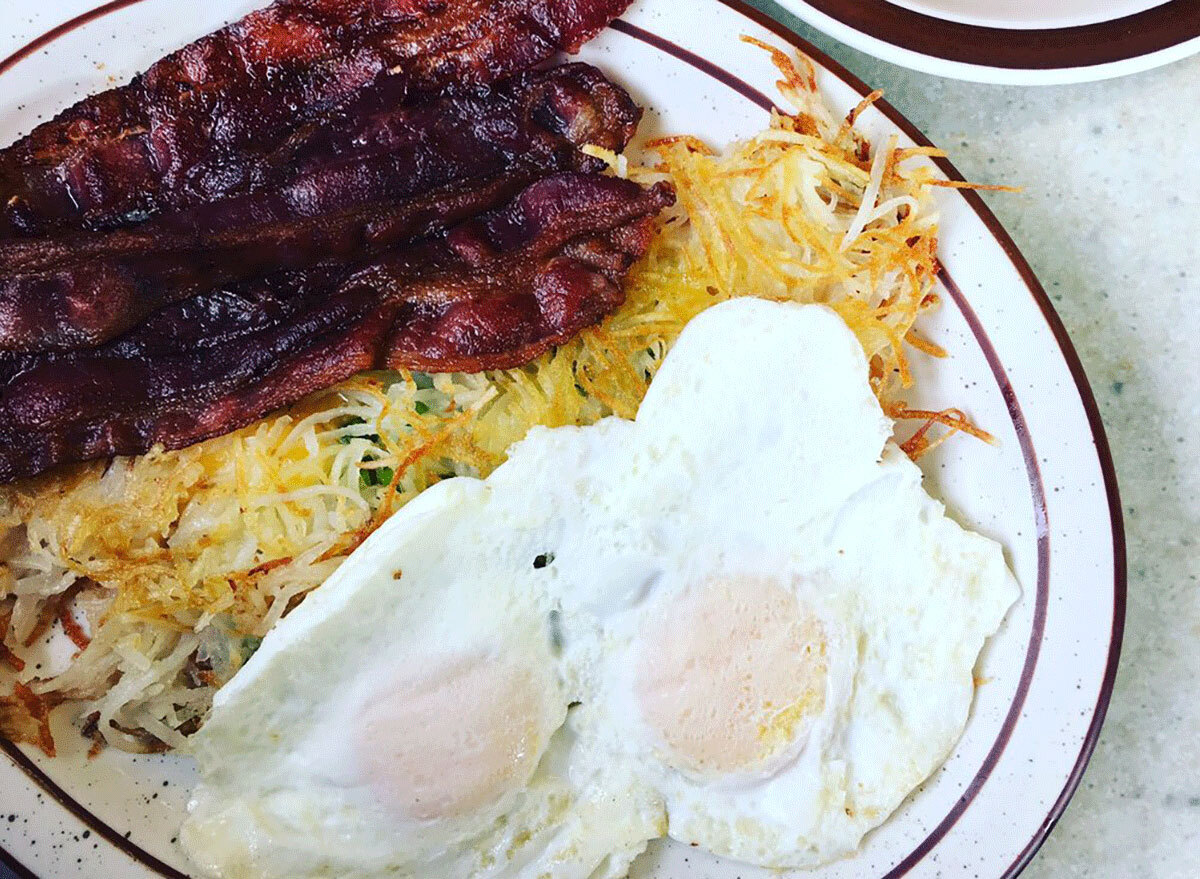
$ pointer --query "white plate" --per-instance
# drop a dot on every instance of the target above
(1014, 42)
(1029, 14)
(1046, 490)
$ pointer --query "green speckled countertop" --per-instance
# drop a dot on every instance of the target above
(1110, 220)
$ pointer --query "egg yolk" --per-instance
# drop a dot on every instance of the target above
(454, 737)
(731, 674)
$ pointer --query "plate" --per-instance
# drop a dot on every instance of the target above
(1013, 42)
(1046, 489)
(1029, 14)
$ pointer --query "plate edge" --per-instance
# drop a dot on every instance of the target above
(1009, 54)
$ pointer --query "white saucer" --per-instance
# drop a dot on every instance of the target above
(1013, 42)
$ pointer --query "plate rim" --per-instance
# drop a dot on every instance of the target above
(1008, 55)
(1028, 278)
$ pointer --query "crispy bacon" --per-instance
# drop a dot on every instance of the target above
(377, 179)
(499, 291)
(208, 120)
(493, 292)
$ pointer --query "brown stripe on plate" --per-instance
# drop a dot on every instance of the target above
(11, 868)
(720, 74)
(1105, 42)
(80, 811)
(65, 28)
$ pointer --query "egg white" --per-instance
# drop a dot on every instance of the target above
(760, 456)
(284, 793)
(760, 453)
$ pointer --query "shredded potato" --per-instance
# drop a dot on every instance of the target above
(179, 562)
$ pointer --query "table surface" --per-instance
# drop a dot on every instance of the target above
(1108, 218)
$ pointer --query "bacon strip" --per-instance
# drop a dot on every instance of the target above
(207, 120)
(373, 181)
(494, 292)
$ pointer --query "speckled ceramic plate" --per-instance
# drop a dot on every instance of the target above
(1046, 490)
(1016, 42)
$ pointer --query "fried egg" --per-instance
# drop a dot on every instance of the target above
(739, 621)
(406, 721)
